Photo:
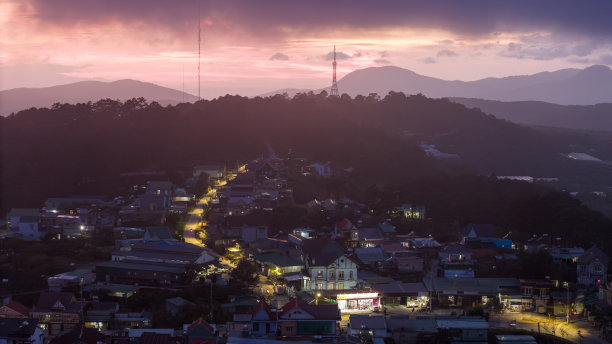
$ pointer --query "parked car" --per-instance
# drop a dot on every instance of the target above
(512, 323)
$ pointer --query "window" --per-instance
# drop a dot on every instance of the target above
(340, 286)
(340, 275)
(319, 286)
(597, 268)
(527, 291)
(289, 329)
(320, 274)
(330, 286)
(332, 275)
(351, 274)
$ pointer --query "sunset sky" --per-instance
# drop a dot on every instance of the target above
(252, 47)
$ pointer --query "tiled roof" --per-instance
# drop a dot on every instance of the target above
(481, 230)
(319, 312)
(262, 304)
(80, 335)
(48, 299)
(18, 307)
(593, 254)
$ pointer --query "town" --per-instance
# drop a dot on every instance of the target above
(242, 255)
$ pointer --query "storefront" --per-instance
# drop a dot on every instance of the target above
(358, 302)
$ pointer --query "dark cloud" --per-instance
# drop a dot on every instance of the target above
(279, 57)
(467, 17)
(339, 56)
(548, 51)
(429, 60)
(382, 61)
(447, 53)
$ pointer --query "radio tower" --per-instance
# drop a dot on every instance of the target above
(334, 88)
(199, 98)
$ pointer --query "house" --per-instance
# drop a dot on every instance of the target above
(298, 318)
(456, 261)
(57, 311)
(483, 233)
(370, 256)
(278, 264)
(28, 226)
(143, 272)
(321, 170)
(100, 315)
(592, 267)
(157, 233)
(176, 304)
(160, 188)
(412, 212)
(463, 329)
(215, 172)
(263, 321)
(375, 324)
(159, 338)
(329, 268)
(14, 309)
(171, 252)
(370, 236)
(467, 292)
(20, 331)
(142, 319)
(74, 278)
(535, 294)
(407, 263)
(565, 254)
(82, 335)
(388, 230)
(200, 332)
(262, 169)
(401, 293)
(250, 227)
(14, 215)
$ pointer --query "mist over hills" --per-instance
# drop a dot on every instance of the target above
(588, 86)
(585, 117)
(17, 99)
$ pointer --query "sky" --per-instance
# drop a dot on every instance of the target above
(251, 47)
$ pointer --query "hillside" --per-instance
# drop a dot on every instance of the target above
(378, 137)
(17, 99)
(586, 117)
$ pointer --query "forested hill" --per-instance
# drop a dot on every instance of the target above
(78, 148)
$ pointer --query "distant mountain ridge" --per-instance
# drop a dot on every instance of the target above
(588, 86)
(587, 117)
(18, 99)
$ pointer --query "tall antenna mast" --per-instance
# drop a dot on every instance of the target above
(334, 87)
(199, 97)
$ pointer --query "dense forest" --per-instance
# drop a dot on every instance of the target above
(87, 148)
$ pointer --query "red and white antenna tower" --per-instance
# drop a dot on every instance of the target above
(199, 98)
(334, 88)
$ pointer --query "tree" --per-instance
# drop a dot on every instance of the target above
(245, 274)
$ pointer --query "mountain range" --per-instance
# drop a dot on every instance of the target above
(588, 86)
(585, 117)
(17, 99)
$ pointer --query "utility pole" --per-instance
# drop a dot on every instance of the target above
(567, 308)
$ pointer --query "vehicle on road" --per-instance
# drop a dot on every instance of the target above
(512, 323)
